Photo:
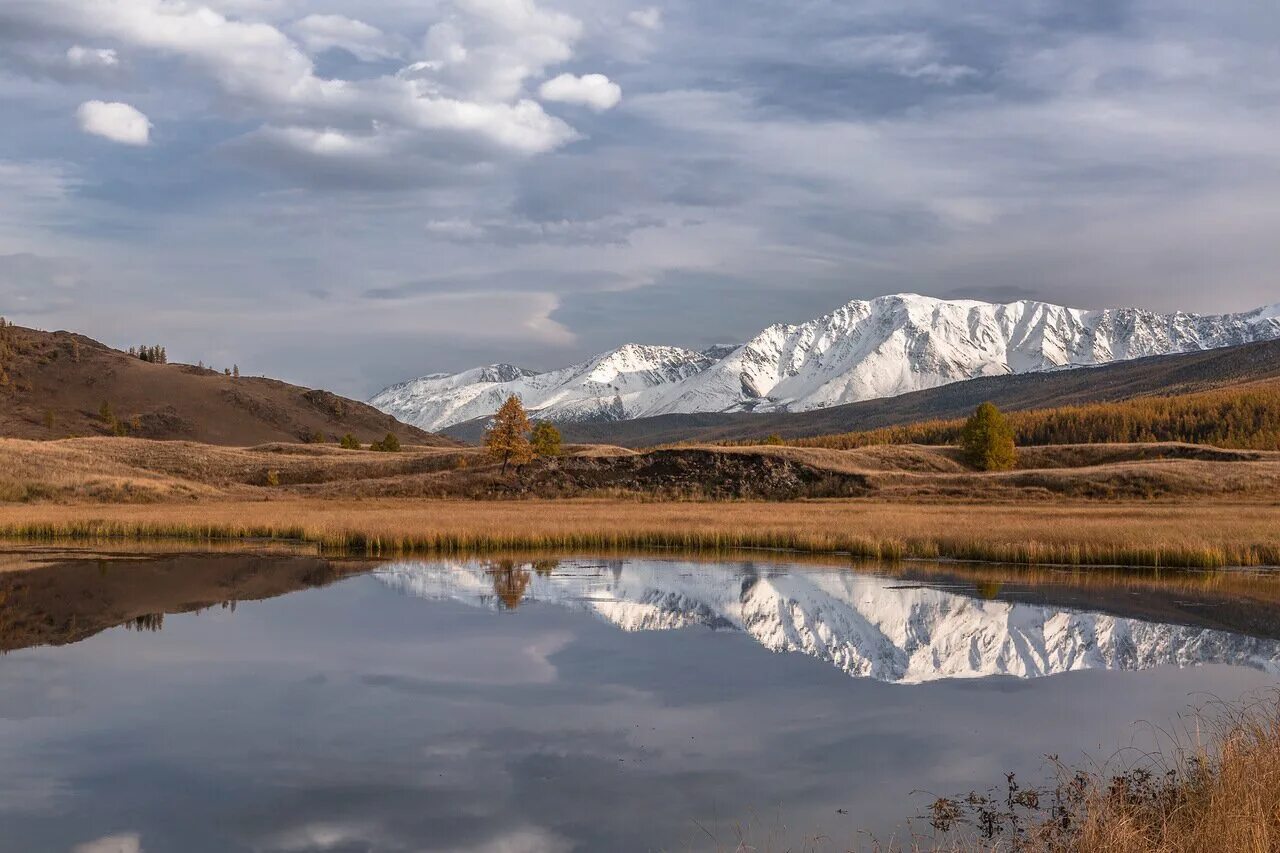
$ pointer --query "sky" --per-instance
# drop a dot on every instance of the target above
(346, 194)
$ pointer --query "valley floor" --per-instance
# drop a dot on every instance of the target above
(1130, 504)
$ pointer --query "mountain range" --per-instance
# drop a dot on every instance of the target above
(866, 625)
(864, 350)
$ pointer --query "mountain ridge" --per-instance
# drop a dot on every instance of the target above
(863, 350)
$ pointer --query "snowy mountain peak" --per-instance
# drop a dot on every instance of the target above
(862, 350)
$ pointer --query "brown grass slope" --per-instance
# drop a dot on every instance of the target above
(53, 385)
(1156, 376)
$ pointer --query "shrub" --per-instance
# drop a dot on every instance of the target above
(349, 442)
(389, 444)
(987, 439)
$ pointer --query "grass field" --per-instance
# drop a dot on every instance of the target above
(1137, 534)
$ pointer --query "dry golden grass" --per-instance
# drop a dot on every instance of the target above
(1221, 794)
(1075, 534)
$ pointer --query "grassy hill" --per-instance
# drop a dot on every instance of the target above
(60, 385)
(1167, 375)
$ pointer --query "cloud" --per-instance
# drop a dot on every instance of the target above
(591, 90)
(469, 84)
(490, 49)
(321, 32)
(128, 843)
(649, 19)
(115, 121)
(1090, 153)
(914, 55)
(91, 57)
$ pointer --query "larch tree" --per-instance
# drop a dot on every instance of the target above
(545, 439)
(987, 439)
(507, 438)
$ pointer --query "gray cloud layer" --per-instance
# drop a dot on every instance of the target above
(348, 194)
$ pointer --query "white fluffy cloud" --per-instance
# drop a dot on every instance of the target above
(469, 80)
(489, 49)
(115, 121)
(591, 90)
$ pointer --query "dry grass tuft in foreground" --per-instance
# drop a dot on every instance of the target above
(1214, 786)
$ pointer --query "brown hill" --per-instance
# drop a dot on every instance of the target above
(60, 385)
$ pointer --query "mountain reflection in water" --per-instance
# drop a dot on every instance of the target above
(866, 625)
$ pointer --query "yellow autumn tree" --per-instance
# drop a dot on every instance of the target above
(507, 438)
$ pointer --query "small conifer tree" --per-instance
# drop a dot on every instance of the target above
(545, 439)
(349, 442)
(506, 439)
(987, 439)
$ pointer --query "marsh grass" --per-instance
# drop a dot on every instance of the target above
(1180, 536)
(1212, 783)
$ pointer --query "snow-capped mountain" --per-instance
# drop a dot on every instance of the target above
(865, 625)
(863, 350)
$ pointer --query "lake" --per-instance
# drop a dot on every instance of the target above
(283, 702)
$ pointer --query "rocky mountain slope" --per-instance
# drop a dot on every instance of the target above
(863, 350)
(865, 625)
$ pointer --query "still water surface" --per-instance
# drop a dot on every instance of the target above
(582, 704)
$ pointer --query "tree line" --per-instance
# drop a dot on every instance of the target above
(1244, 418)
(153, 354)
